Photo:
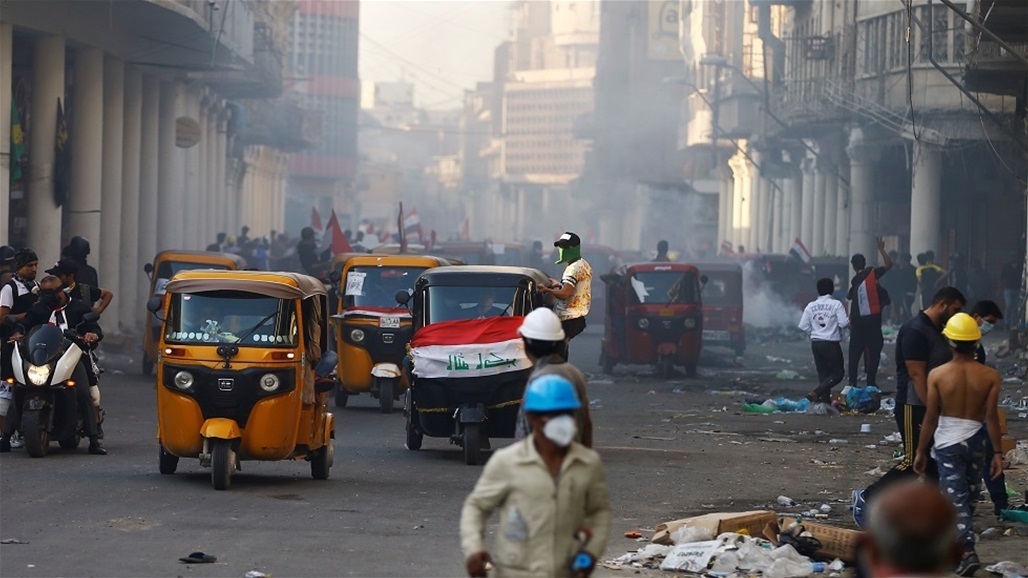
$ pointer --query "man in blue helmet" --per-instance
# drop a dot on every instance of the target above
(551, 493)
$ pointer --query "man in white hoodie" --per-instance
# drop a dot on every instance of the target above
(823, 320)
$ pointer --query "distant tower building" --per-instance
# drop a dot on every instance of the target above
(323, 68)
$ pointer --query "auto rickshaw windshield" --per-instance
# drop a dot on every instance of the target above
(167, 269)
(663, 287)
(246, 319)
(722, 289)
(450, 303)
(377, 286)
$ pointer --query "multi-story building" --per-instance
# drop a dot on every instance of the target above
(167, 107)
(323, 70)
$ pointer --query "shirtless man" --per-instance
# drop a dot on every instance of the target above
(961, 395)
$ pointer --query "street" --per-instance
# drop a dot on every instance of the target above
(671, 448)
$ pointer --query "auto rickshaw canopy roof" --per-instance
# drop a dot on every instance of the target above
(280, 285)
(481, 276)
(205, 257)
(403, 260)
(656, 266)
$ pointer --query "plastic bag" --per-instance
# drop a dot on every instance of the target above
(864, 399)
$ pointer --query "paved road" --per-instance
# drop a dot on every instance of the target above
(671, 449)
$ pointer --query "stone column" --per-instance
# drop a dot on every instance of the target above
(817, 247)
(925, 200)
(191, 171)
(128, 298)
(86, 137)
(862, 158)
(6, 60)
(763, 220)
(842, 217)
(795, 186)
(44, 216)
(740, 201)
(777, 208)
(831, 209)
(784, 240)
(109, 260)
(211, 171)
(170, 171)
(807, 202)
(724, 213)
(149, 169)
(220, 182)
(205, 236)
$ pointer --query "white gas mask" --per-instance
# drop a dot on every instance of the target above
(561, 430)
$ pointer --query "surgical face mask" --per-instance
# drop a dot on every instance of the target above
(986, 327)
(560, 430)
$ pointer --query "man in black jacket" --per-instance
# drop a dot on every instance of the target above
(55, 307)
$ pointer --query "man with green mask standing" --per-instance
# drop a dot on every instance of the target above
(574, 290)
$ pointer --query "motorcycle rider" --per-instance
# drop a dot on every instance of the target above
(97, 298)
(57, 308)
(77, 250)
(16, 296)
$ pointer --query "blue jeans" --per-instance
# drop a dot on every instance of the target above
(960, 477)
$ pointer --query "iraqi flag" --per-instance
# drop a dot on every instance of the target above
(334, 238)
(799, 251)
(412, 227)
(867, 295)
(469, 348)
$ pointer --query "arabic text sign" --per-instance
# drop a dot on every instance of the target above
(355, 282)
(473, 360)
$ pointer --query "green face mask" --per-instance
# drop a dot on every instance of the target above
(569, 254)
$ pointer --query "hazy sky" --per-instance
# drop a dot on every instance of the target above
(442, 47)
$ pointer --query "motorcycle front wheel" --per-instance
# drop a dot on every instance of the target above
(34, 425)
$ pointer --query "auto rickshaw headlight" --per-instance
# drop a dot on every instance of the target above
(644, 323)
(183, 380)
(357, 335)
(690, 322)
(38, 374)
(269, 382)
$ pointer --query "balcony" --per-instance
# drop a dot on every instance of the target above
(260, 79)
(281, 124)
(991, 68)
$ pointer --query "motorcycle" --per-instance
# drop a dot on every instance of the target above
(47, 367)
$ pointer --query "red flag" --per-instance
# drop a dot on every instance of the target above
(316, 220)
(334, 238)
(403, 233)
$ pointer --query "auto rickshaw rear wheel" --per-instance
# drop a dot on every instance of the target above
(607, 363)
(321, 462)
(168, 462)
(472, 443)
(690, 369)
(667, 366)
(37, 436)
(342, 397)
(414, 437)
(223, 464)
(386, 387)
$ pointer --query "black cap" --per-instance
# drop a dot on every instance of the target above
(24, 257)
(568, 239)
(64, 267)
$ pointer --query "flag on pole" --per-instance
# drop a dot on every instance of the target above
(333, 238)
(316, 220)
(62, 158)
(17, 145)
(799, 251)
(402, 233)
(412, 226)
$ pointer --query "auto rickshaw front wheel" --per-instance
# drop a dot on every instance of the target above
(607, 363)
(690, 369)
(472, 443)
(223, 463)
(321, 461)
(667, 366)
(168, 462)
(386, 388)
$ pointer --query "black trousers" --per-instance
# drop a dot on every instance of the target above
(830, 371)
(908, 419)
(572, 327)
(865, 342)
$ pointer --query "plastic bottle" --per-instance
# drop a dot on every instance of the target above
(786, 501)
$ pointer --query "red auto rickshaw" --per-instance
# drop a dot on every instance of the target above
(654, 315)
(723, 304)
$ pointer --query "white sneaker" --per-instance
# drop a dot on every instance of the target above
(16, 441)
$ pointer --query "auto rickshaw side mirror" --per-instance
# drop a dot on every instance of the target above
(154, 304)
(148, 269)
(703, 281)
(402, 297)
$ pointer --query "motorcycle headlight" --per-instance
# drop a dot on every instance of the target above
(644, 323)
(690, 322)
(357, 335)
(183, 380)
(38, 374)
(269, 382)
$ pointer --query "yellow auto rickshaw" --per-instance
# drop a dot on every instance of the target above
(165, 265)
(372, 330)
(243, 371)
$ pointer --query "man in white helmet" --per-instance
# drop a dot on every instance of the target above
(544, 341)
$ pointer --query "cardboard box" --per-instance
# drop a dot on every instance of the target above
(752, 522)
(835, 542)
(1006, 444)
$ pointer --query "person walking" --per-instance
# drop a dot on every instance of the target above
(823, 321)
(928, 276)
(920, 348)
(867, 299)
(904, 280)
(574, 290)
(543, 337)
(551, 493)
(987, 314)
(911, 531)
(662, 249)
(962, 394)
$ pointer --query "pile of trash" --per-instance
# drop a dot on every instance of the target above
(785, 405)
(732, 554)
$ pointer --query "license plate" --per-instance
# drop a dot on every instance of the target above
(667, 313)
(716, 336)
(389, 322)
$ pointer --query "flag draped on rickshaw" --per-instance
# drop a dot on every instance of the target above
(469, 348)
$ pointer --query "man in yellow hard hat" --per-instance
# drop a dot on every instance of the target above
(962, 393)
